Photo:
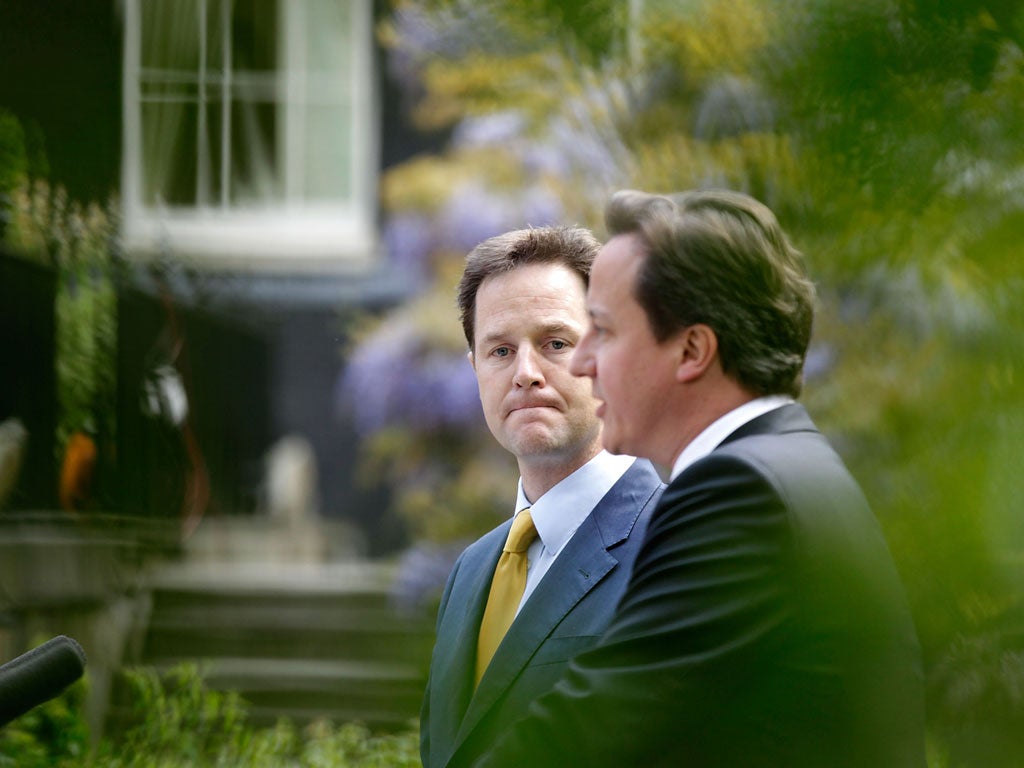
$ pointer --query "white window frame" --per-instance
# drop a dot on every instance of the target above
(292, 233)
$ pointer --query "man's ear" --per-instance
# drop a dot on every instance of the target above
(697, 347)
(472, 360)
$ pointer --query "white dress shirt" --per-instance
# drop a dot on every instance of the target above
(559, 512)
(721, 428)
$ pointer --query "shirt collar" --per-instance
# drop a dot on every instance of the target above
(721, 428)
(559, 512)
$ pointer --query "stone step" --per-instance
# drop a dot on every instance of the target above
(377, 694)
(171, 641)
(301, 640)
(383, 695)
(351, 577)
(256, 608)
(327, 612)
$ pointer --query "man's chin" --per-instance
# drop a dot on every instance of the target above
(535, 446)
(538, 441)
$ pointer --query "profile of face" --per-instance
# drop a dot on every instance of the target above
(632, 373)
(528, 323)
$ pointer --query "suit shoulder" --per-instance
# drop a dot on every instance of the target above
(789, 462)
(644, 473)
(640, 485)
(625, 509)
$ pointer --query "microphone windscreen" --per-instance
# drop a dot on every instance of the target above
(39, 675)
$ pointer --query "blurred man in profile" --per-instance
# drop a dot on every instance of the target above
(542, 587)
(764, 623)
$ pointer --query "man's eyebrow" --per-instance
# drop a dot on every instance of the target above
(492, 337)
(559, 328)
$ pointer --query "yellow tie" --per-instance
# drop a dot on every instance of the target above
(507, 589)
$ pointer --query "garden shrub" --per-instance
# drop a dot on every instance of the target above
(176, 722)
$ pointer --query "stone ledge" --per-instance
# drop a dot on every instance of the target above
(49, 560)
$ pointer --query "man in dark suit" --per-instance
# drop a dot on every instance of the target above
(764, 623)
(522, 300)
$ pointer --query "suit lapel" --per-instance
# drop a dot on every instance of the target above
(577, 570)
(466, 608)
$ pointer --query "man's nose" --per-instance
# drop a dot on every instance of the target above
(582, 361)
(529, 371)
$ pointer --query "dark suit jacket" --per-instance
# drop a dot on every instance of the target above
(564, 616)
(764, 625)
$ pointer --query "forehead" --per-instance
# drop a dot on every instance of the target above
(533, 294)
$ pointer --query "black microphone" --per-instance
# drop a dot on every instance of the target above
(39, 675)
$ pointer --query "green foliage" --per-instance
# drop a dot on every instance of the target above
(181, 723)
(86, 323)
(178, 723)
(176, 718)
(883, 92)
(13, 164)
(42, 222)
(52, 734)
(13, 158)
(79, 241)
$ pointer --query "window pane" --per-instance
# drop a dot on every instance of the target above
(254, 35)
(254, 176)
(328, 170)
(215, 15)
(325, 151)
(328, 28)
(252, 28)
(208, 161)
(284, 70)
(170, 35)
(168, 134)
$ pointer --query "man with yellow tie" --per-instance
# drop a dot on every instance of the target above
(541, 588)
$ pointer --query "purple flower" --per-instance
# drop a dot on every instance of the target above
(422, 572)
(588, 152)
(543, 158)
(541, 207)
(447, 33)
(394, 378)
(369, 384)
(497, 129)
(409, 243)
(453, 388)
(473, 213)
(439, 393)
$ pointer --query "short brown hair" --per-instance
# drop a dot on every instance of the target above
(720, 258)
(572, 247)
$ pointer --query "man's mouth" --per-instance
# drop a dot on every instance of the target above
(528, 407)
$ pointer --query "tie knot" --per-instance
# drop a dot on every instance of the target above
(522, 533)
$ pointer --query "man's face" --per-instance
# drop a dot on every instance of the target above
(633, 375)
(528, 322)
